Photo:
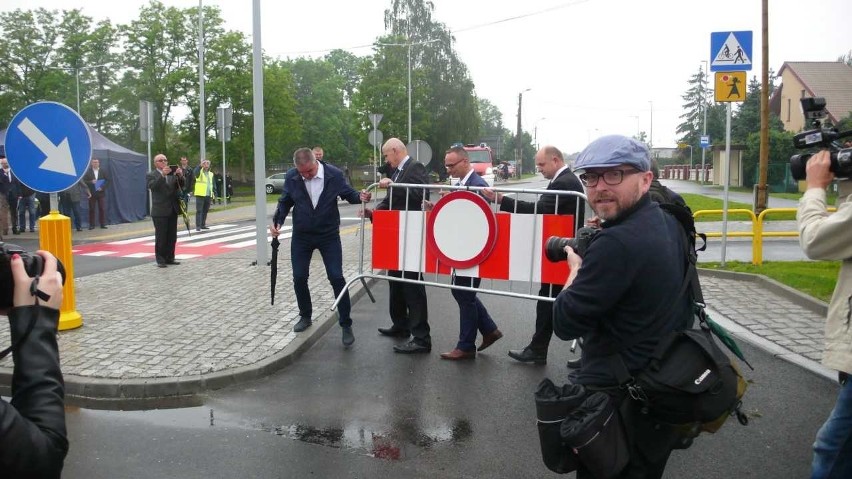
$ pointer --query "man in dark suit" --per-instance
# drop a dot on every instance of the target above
(311, 190)
(96, 179)
(5, 191)
(165, 186)
(473, 316)
(408, 310)
(551, 163)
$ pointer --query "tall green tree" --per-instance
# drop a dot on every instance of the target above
(160, 65)
(320, 105)
(28, 49)
(747, 118)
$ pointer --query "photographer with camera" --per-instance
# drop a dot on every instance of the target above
(165, 183)
(630, 272)
(33, 440)
(829, 237)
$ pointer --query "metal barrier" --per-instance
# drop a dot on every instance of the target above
(414, 235)
(757, 232)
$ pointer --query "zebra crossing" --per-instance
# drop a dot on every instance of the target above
(218, 239)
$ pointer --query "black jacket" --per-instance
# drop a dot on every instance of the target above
(631, 272)
(33, 440)
(412, 172)
(323, 219)
(547, 204)
(164, 193)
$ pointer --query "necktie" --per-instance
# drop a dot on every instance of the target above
(396, 174)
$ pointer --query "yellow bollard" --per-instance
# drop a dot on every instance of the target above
(55, 236)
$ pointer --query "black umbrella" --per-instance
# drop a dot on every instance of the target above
(274, 269)
(182, 204)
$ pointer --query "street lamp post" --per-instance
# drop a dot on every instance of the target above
(77, 78)
(201, 123)
(535, 132)
(518, 151)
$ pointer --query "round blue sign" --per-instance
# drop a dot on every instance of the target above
(48, 146)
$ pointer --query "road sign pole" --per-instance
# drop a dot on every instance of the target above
(726, 179)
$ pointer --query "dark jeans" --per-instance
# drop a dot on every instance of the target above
(408, 306)
(544, 318)
(26, 206)
(302, 247)
(473, 316)
(202, 207)
(71, 209)
(165, 237)
(833, 445)
(99, 202)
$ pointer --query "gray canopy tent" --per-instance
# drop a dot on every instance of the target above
(127, 195)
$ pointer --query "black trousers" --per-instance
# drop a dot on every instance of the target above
(165, 237)
(544, 318)
(408, 307)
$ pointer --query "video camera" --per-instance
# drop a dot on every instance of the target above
(820, 137)
(554, 248)
(33, 264)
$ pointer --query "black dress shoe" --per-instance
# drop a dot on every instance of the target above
(411, 347)
(91, 227)
(395, 332)
(348, 337)
(103, 227)
(161, 265)
(173, 262)
(527, 355)
(205, 227)
(303, 324)
(574, 363)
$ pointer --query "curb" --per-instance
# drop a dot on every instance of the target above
(135, 394)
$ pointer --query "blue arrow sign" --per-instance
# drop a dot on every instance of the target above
(48, 146)
(730, 51)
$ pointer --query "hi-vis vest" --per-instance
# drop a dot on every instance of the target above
(203, 184)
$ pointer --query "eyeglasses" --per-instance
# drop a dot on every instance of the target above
(611, 177)
(161, 159)
(451, 165)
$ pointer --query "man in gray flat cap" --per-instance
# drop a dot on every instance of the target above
(631, 273)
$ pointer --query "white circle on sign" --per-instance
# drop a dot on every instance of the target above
(461, 230)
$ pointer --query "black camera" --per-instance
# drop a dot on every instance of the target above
(820, 137)
(33, 264)
(554, 248)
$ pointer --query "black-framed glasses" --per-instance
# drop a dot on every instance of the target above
(611, 177)
(451, 165)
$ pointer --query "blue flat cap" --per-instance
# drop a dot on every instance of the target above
(614, 150)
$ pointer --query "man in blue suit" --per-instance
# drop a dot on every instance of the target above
(473, 316)
(311, 190)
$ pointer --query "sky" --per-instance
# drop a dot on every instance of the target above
(586, 67)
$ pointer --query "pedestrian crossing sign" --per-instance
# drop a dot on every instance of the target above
(730, 86)
(730, 51)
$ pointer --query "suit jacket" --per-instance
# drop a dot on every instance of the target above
(546, 204)
(412, 173)
(475, 180)
(89, 178)
(307, 219)
(5, 184)
(164, 193)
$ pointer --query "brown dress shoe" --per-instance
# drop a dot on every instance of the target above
(490, 339)
(457, 354)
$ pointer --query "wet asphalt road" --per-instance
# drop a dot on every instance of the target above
(367, 412)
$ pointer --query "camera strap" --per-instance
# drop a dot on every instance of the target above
(39, 294)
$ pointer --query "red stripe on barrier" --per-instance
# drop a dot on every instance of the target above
(555, 225)
(496, 265)
(433, 263)
(386, 242)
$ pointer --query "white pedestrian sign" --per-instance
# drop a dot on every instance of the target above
(730, 51)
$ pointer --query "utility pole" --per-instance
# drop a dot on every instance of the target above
(201, 123)
(704, 130)
(519, 160)
(761, 196)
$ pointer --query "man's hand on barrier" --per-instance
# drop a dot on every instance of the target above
(385, 182)
(366, 213)
(817, 170)
(427, 205)
(365, 196)
(492, 195)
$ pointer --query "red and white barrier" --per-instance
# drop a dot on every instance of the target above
(461, 232)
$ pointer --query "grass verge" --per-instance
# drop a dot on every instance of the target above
(814, 278)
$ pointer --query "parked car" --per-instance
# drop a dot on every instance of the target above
(275, 183)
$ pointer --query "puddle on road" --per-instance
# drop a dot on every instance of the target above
(393, 444)
(402, 439)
